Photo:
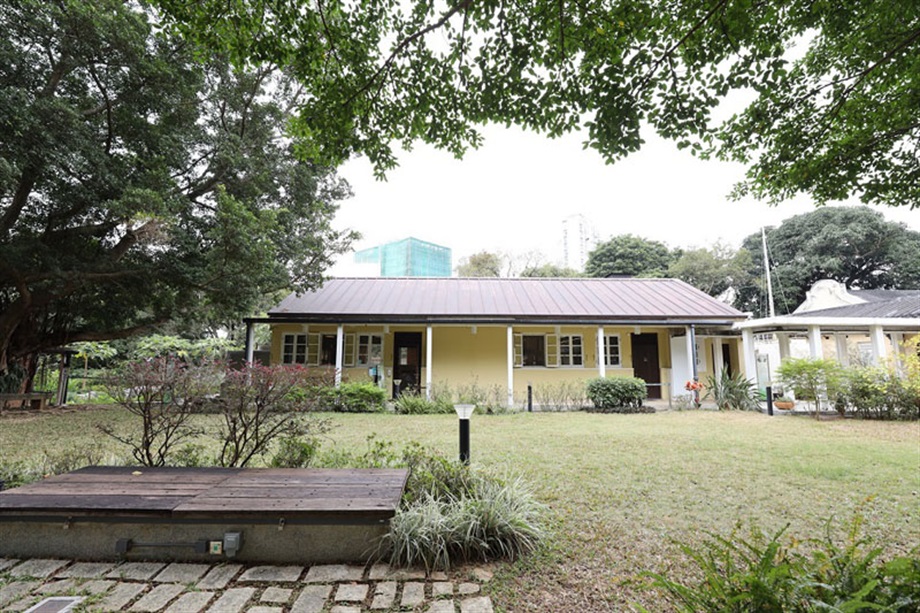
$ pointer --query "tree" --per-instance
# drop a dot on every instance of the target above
(834, 110)
(549, 270)
(714, 270)
(810, 378)
(482, 264)
(628, 255)
(853, 245)
(140, 185)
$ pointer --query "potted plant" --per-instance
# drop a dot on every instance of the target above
(783, 402)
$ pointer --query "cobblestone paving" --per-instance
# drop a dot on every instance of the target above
(229, 588)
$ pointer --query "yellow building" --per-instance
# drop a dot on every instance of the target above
(506, 334)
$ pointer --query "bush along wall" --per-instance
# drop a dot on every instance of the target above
(353, 398)
(617, 394)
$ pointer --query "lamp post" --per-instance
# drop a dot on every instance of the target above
(464, 412)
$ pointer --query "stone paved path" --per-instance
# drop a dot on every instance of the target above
(231, 588)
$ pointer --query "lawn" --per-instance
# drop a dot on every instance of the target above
(620, 489)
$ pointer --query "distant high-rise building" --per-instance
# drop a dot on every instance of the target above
(409, 257)
(578, 239)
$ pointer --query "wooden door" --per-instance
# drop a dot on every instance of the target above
(407, 362)
(645, 362)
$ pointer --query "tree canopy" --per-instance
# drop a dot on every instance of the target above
(714, 270)
(549, 270)
(140, 184)
(629, 255)
(833, 88)
(482, 264)
(853, 245)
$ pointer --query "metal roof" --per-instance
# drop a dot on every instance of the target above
(501, 299)
(904, 305)
(875, 295)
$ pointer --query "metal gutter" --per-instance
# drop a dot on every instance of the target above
(498, 321)
(787, 322)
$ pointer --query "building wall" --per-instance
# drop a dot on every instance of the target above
(464, 355)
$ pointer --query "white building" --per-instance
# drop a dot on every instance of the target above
(852, 326)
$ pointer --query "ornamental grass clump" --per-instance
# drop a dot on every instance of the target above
(414, 404)
(732, 392)
(452, 513)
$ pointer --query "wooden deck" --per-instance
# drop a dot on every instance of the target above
(178, 493)
(157, 503)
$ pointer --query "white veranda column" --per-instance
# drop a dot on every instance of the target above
(879, 347)
(717, 362)
(339, 353)
(897, 338)
(814, 342)
(691, 351)
(843, 355)
(750, 360)
(784, 350)
(601, 353)
(510, 367)
(428, 336)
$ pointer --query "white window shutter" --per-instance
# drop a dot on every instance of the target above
(552, 350)
(351, 350)
(518, 350)
(313, 344)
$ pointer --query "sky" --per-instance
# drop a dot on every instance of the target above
(512, 194)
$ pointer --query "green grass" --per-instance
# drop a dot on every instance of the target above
(622, 488)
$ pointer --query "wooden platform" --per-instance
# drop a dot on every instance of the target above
(335, 513)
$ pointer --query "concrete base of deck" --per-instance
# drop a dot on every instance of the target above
(300, 516)
(95, 541)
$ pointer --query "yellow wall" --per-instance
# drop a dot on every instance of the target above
(461, 356)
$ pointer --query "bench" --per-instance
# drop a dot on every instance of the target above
(36, 400)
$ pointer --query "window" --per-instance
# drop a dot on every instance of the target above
(534, 350)
(294, 349)
(570, 350)
(612, 350)
(370, 349)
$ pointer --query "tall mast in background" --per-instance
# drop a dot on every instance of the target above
(766, 268)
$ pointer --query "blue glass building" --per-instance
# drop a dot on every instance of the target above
(409, 257)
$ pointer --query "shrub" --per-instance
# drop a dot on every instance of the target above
(732, 392)
(412, 404)
(878, 393)
(162, 393)
(760, 574)
(257, 407)
(449, 512)
(14, 474)
(456, 514)
(616, 392)
(353, 398)
(562, 396)
(295, 452)
(811, 378)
